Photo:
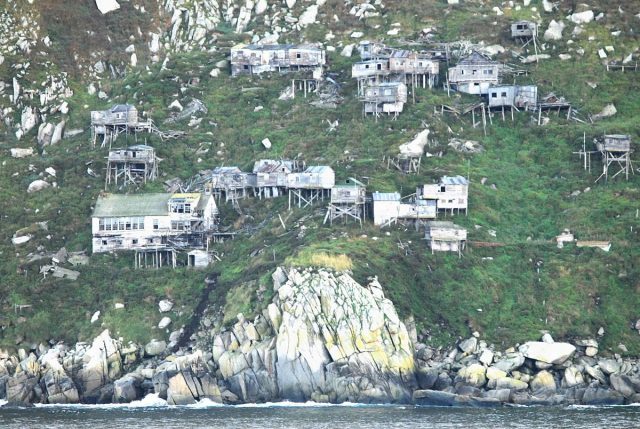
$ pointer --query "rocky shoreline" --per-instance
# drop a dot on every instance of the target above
(323, 338)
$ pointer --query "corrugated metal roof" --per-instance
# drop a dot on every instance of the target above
(115, 205)
(226, 170)
(122, 108)
(454, 180)
(386, 196)
(318, 169)
(271, 165)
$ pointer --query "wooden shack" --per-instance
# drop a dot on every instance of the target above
(524, 30)
(271, 176)
(198, 258)
(368, 49)
(314, 183)
(444, 236)
(257, 59)
(418, 69)
(386, 98)
(231, 182)
(615, 150)
(119, 119)
(513, 96)
(450, 193)
(474, 74)
(347, 201)
(389, 208)
(133, 165)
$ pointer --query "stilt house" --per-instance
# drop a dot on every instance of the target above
(384, 98)
(271, 176)
(257, 59)
(388, 208)
(524, 30)
(451, 194)
(133, 165)
(518, 96)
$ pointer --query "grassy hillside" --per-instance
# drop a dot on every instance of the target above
(509, 293)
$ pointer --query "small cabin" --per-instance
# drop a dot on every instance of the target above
(132, 165)
(198, 258)
(230, 178)
(314, 177)
(369, 68)
(256, 59)
(615, 143)
(451, 193)
(119, 114)
(444, 236)
(385, 97)
(524, 30)
(474, 74)
(520, 96)
(272, 173)
(351, 191)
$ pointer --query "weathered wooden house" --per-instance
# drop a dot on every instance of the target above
(474, 74)
(371, 70)
(231, 182)
(451, 194)
(389, 208)
(416, 68)
(119, 119)
(553, 103)
(257, 59)
(153, 225)
(518, 96)
(132, 165)
(314, 183)
(271, 176)
(524, 30)
(347, 201)
(615, 150)
(444, 236)
(386, 98)
(368, 49)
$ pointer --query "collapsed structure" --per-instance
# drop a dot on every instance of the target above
(445, 236)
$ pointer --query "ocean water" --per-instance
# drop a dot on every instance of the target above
(153, 413)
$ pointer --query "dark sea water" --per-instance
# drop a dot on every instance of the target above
(150, 414)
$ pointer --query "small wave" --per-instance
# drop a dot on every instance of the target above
(309, 404)
(152, 400)
(592, 407)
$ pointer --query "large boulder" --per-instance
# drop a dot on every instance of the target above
(20, 388)
(473, 375)
(609, 366)
(627, 386)
(582, 17)
(543, 381)
(155, 347)
(598, 396)
(127, 389)
(510, 362)
(553, 353)
(186, 388)
(554, 31)
(101, 364)
(572, 377)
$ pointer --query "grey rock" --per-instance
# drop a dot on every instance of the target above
(597, 396)
(468, 345)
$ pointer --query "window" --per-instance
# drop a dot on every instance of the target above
(476, 84)
(298, 56)
(474, 72)
(494, 95)
(504, 94)
(379, 66)
(134, 241)
(156, 224)
(461, 72)
(100, 224)
(149, 240)
(246, 66)
(104, 242)
(366, 66)
(442, 189)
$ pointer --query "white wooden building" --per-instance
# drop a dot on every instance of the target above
(524, 30)
(451, 194)
(312, 184)
(445, 236)
(474, 74)
(271, 176)
(257, 59)
(127, 222)
(519, 96)
(389, 208)
(388, 98)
